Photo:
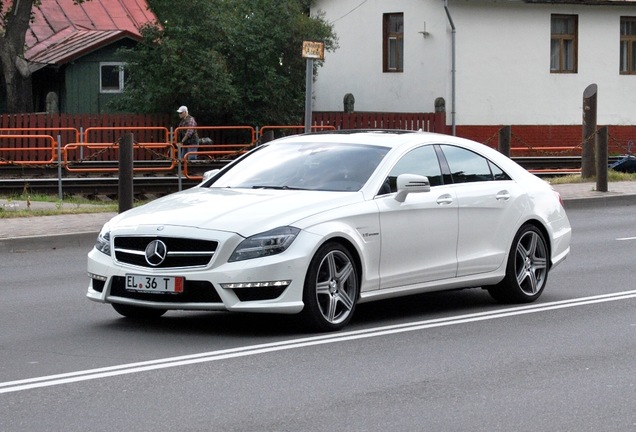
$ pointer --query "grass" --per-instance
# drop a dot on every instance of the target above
(15, 206)
(612, 176)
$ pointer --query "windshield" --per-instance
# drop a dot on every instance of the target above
(309, 166)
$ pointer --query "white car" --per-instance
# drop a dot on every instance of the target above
(317, 223)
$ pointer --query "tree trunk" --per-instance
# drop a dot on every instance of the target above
(17, 84)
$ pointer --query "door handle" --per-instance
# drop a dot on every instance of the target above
(503, 196)
(445, 199)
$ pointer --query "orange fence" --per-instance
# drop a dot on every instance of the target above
(21, 145)
(96, 149)
(22, 155)
(209, 149)
(164, 159)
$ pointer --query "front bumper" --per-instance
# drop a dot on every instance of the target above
(272, 284)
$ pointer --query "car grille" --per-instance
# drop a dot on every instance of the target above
(180, 252)
(193, 292)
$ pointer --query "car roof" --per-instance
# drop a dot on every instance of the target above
(386, 138)
(380, 137)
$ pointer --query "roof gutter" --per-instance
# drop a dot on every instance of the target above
(453, 71)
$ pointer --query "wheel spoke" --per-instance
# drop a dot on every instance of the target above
(522, 252)
(322, 288)
(532, 283)
(521, 276)
(331, 264)
(332, 308)
(539, 263)
(532, 248)
(345, 299)
(344, 274)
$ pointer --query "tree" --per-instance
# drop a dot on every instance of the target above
(229, 61)
(16, 76)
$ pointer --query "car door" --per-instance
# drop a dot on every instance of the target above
(419, 235)
(487, 214)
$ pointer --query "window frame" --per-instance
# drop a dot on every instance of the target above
(627, 48)
(121, 77)
(388, 47)
(562, 39)
(470, 159)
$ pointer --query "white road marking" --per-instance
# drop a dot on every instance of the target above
(626, 238)
(111, 371)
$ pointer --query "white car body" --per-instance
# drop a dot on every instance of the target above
(448, 236)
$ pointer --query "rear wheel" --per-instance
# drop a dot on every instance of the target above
(526, 270)
(332, 287)
(136, 312)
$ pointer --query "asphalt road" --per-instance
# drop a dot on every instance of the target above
(452, 361)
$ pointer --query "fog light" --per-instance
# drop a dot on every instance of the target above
(98, 277)
(267, 284)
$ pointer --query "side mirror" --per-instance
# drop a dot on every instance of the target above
(208, 175)
(411, 183)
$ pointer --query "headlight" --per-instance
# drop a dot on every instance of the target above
(103, 242)
(264, 244)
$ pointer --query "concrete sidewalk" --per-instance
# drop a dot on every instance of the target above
(54, 232)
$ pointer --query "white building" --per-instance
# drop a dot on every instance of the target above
(520, 62)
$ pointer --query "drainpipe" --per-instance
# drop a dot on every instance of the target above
(453, 72)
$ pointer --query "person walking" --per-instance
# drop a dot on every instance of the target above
(187, 137)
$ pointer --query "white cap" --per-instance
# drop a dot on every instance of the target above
(182, 108)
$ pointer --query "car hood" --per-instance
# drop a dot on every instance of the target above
(243, 211)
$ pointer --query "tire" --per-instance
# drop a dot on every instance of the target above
(331, 290)
(138, 313)
(526, 270)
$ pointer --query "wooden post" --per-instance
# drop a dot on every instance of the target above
(602, 139)
(126, 172)
(588, 166)
(505, 136)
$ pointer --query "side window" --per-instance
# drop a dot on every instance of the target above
(563, 43)
(497, 172)
(628, 46)
(393, 42)
(111, 77)
(466, 166)
(422, 161)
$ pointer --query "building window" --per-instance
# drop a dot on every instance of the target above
(563, 44)
(393, 42)
(111, 77)
(628, 45)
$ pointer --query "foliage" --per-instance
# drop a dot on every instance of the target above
(612, 176)
(229, 61)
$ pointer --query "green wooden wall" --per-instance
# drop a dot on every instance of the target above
(81, 93)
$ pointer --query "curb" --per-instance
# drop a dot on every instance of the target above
(55, 241)
(617, 200)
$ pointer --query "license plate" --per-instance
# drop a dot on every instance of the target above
(155, 284)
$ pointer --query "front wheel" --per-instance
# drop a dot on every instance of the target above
(136, 312)
(526, 270)
(332, 287)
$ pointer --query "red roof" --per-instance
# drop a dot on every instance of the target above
(63, 31)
